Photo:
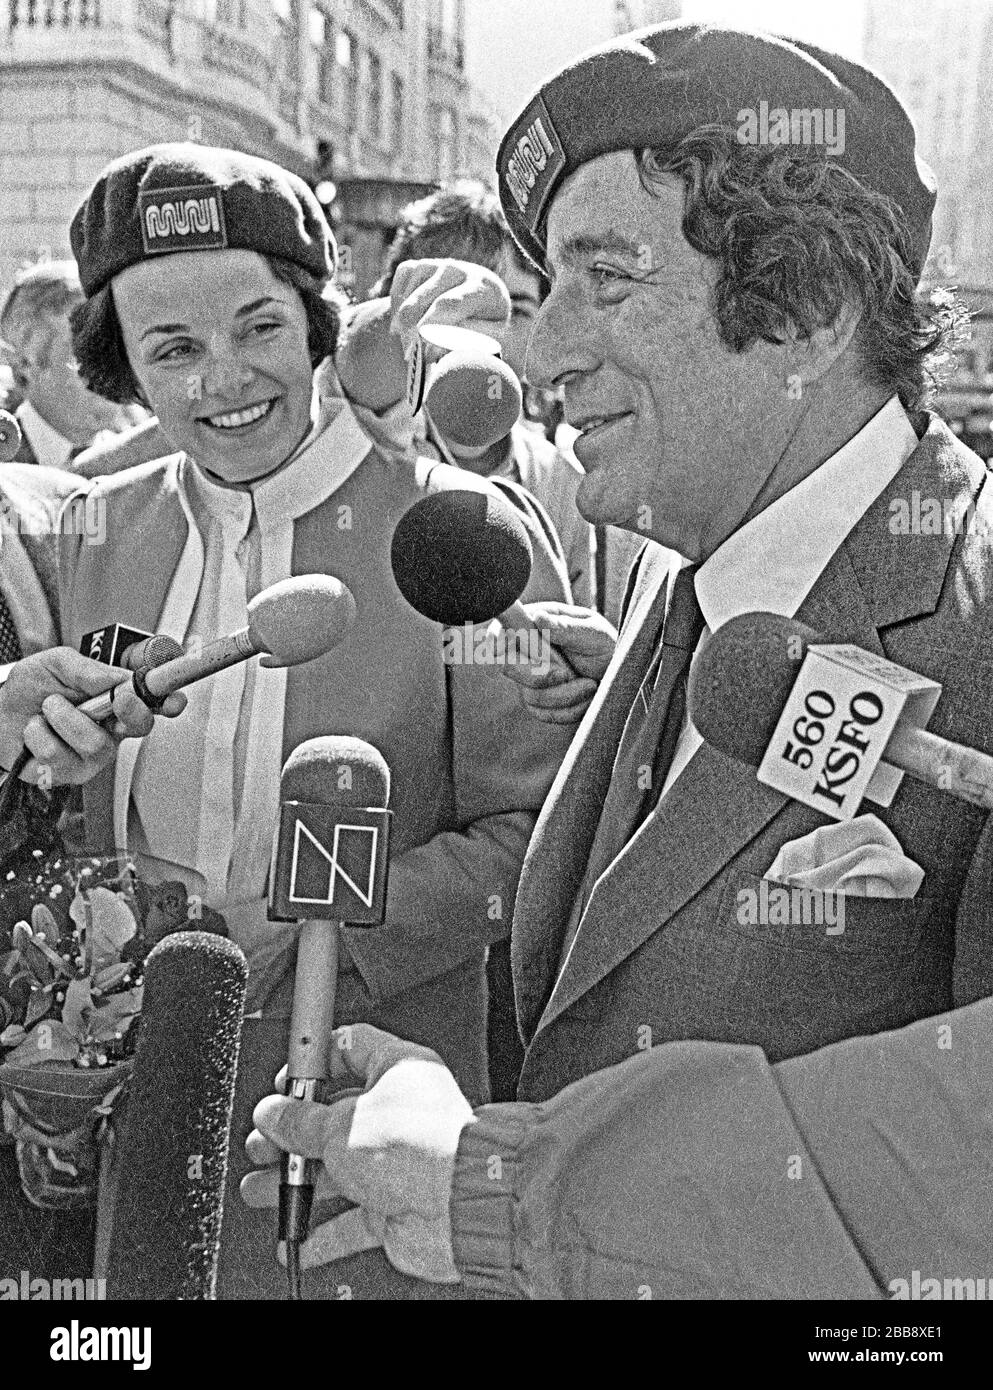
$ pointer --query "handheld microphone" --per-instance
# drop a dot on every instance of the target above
(461, 555)
(470, 395)
(330, 867)
(291, 622)
(172, 1152)
(115, 645)
(819, 719)
(10, 436)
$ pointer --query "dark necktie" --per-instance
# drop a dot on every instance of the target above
(648, 743)
(10, 646)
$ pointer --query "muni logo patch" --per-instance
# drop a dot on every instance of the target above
(534, 162)
(182, 219)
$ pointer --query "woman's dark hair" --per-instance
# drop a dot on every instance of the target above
(99, 344)
(797, 236)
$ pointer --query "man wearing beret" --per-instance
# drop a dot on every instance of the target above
(735, 328)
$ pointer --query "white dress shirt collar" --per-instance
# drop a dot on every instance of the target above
(772, 563)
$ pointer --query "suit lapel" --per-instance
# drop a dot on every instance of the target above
(559, 848)
(717, 805)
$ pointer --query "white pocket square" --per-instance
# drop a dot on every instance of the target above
(860, 858)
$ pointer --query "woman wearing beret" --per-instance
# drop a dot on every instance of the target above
(205, 272)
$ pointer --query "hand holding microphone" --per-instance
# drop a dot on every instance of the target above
(449, 315)
(330, 867)
(461, 556)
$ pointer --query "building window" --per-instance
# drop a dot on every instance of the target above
(346, 60)
(444, 142)
(375, 106)
(320, 33)
(445, 32)
(398, 118)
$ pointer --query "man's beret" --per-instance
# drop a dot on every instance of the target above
(652, 87)
(187, 197)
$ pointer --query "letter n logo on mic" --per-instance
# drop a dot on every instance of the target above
(331, 864)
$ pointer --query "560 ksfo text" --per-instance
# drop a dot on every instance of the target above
(844, 757)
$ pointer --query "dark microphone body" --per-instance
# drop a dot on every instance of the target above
(820, 739)
(329, 868)
(172, 1151)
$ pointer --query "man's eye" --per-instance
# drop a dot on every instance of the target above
(262, 330)
(608, 277)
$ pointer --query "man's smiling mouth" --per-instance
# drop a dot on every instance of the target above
(237, 419)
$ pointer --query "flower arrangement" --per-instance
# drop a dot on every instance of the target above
(74, 934)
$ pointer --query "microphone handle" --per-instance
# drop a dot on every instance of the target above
(311, 1026)
(182, 670)
(950, 767)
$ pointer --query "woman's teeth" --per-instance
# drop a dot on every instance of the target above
(240, 417)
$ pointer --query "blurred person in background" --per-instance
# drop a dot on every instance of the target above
(464, 222)
(58, 416)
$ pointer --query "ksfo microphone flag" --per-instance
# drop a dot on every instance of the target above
(828, 747)
(331, 863)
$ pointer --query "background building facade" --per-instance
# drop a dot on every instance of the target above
(373, 91)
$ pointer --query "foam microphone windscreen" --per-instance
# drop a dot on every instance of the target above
(172, 1150)
(301, 618)
(461, 556)
(313, 773)
(741, 679)
(473, 400)
(10, 436)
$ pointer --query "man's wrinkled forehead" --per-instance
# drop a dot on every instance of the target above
(603, 207)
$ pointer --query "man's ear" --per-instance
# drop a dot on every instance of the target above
(812, 358)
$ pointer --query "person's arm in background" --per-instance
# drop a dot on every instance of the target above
(690, 1170)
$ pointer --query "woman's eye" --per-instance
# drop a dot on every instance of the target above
(175, 353)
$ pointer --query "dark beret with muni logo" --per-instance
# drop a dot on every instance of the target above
(651, 88)
(187, 197)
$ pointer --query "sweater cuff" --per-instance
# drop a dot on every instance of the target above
(484, 1203)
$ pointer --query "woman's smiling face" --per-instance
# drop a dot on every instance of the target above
(218, 345)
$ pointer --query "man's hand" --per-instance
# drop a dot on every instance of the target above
(38, 712)
(391, 1151)
(447, 292)
(586, 640)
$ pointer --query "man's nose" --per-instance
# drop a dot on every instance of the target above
(227, 372)
(561, 343)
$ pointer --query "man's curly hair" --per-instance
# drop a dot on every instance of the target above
(797, 236)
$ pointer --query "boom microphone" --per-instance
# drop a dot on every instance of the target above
(817, 718)
(10, 436)
(172, 1152)
(330, 867)
(291, 622)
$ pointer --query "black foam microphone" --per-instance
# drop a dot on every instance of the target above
(330, 868)
(172, 1152)
(10, 436)
(461, 555)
